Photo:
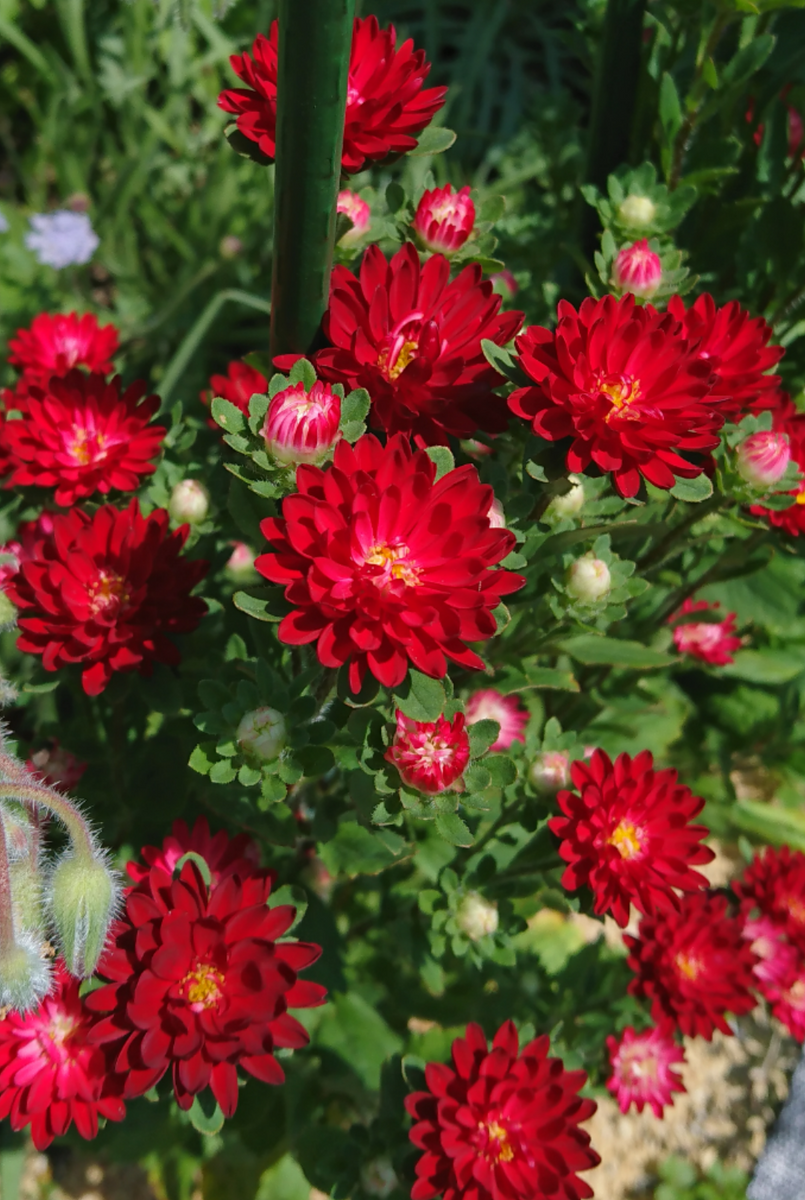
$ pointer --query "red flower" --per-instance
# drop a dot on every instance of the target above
(104, 591)
(53, 345)
(694, 965)
(637, 269)
(56, 766)
(500, 1125)
(713, 642)
(628, 836)
(786, 996)
(444, 219)
(487, 704)
(302, 426)
(431, 756)
(786, 419)
(624, 382)
(223, 855)
(733, 344)
(201, 984)
(643, 1069)
(24, 546)
(386, 106)
(384, 565)
(774, 883)
(776, 957)
(412, 337)
(240, 383)
(83, 435)
(50, 1073)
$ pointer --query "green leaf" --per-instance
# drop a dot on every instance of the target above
(272, 791)
(670, 107)
(249, 776)
(222, 772)
(772, 823)
(303, 372)
(501, 768)
(206, 1117)
(613, 652)
(503, 362)
(272, 608)
(453, 829)
(41, 689)
(355, 407)
(551, 677)
(420, 697)
(290, 893)
(228, 415)
(693, 491)
(442, 456)
(200, 761)
(747, 61)
(245, 147)
(395, 197)
(356, 850)
(767, 666)
(482, 735)
(492, 209)
(476, 778)
(433, 140)
(355, 1030)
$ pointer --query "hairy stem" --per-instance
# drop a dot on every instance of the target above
(41, 797)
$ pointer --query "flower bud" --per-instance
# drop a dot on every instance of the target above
(189, 502)
(24, 974)
(763, 459)
(637, 211)
(240, 564)
(496, 515)
(550, 772)
(431, 756)
(570, 503)
(359, 213)
(588, 580)
(638, 270)
(444, 219)
(476, 916)
(82, 895)
(504, 283)
(230, 246)
(261, 734)
(301, 426)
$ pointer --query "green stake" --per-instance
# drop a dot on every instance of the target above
(315, 37)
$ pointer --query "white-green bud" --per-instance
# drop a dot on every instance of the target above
(82, 896)
(476, 916)
(637, 211)
(570, 503)
(24, 974)
(588, 580)
(189, 502)
(550, 772)
(261, 734)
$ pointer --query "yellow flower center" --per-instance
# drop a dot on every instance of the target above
(393, 361)
(796, 907)
(688, 966)
(626, 840)
(795, 995)
(86, 446)
(203, 987)
(800, 497)
(108, 593)
(621, 390)
(498, 1147)
(393, 560)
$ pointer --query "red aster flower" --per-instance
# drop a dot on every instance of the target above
(774, 884)
(643, 1069)
(628, 836)
(223, 855)
(360, 214)
(56, 766)
(776, 957)
(240, 383)
(83, 435)
(444, 219)
(384, 565)
(786, 996)
(431, 756)
(788, 421)
(624, 382)
(694, 965)
(763, 458)
(302, 426)
(53, 345)
(412, 337)
(499, 1125)
(50, 1073)
(713, 642)
(386, 106)
(24, 546)
(104, 591)
(200, 984)
(490, 705)
(733, 344)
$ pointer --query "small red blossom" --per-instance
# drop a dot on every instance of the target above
(105, 591)
(55, 344)
(786, 996)
(774, 884)
(638, 270)
(385, 566)
(51, 1075)
(776, 957)
(786, 420)
(223, 855)
(643, 1069)
(444, 219)
(386, 104)
(625, 383)
(412, 337)
(431, 756)
(56, 766)
(302, 426)
(487, 704)
(360, 214)
(501, 1125)
(200, 984)
(240, 383)
(23, 547)
(627, 834)
(694, 965)
(82, 435)
(711, 641)
(762, 458)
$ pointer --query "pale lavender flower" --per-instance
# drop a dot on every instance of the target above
(62, 238)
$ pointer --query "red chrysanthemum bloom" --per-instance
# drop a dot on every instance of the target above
(360, 214)
(774, 884)
(786, 996)
(713, 642)
(384, 565)
(240, 383)
(643, 1068)
(200, 983)
(734, 345)
(24, 545)
(626, 834)
(776, 957)
(694, 965)
(56, 766)
(487, 704)
(223, 855)
(431, 756)
(499, 1125)
(412, 337)
(787, 420)
(386, 106)
(444, 219)
(105, 591)
(54, 344)
(83, 435)
(626, 384)
(50, 1073)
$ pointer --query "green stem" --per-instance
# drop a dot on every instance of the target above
(7, 940)
(313, 68)
(60, 806)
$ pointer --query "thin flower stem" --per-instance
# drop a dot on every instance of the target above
(60, 806)
(7, 940)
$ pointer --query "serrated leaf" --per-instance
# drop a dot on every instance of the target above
(502, 770)
(453, 830)
(482, 735)
(272, 608)
(614, 652)
(222, 772)
(355, 407)
(492, 209)
(433, 140)
(228, 415)
(443, 458)
(249, 776)
(303, 372)
(356, 850)
(200, 761)
(476, 777)
(693, 491)
(272, 790)
(420, 697)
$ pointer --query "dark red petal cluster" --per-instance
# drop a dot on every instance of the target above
(223, 855)
(105, 591)
(201, 984)
(786, 419)
(786, 996)
(735, 346)
(627, 834)
(82, 435)
(774, 884)
(694, 965)
(51, 1075)
(412, 337)
(385, 566)
(711, 641)
(240, 383)
(386, 106)
(499, 1125)
(54, 344)
(56, 766)
(626, 384)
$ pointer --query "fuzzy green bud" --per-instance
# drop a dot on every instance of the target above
(24, 974)
(261, 734)
(82, 896)
(637, 211)
(570, 502)
(588, 580)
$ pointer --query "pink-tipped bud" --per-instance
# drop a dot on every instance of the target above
(444, 219)
(550, 772)
(302, 426)
(359, 213)
(763, 458)
(189, 502)
(431, 756)
(240, 564)
(638, 270)
(504, 283)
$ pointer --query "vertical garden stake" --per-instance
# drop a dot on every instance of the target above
(315, 37)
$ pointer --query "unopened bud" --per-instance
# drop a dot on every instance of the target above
(588, 580)
(24, 974)
(82, 896)
(638, 270)
(571, 502)
(476, 916)
(763, 458)
(230, 246)
(504, 283)
(189, 502)
(262, 734)
(550, 772)
(637, 211)
(444, 219)
(240, 564)
(496, 515)
(359, 213)
(302, 426)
